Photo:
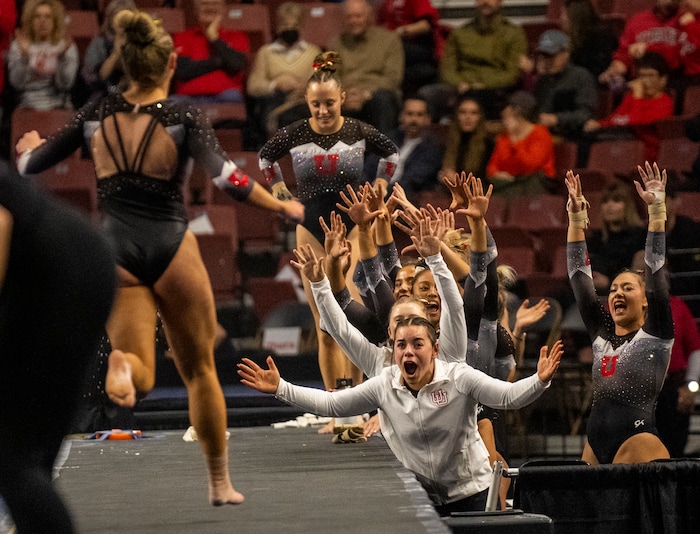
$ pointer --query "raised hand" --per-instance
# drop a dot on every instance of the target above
(478, 202)
(254, 376)
(573, 186)
(456, 187)
(308, 264)
(398, 198)
(548, 364)
(654, 181)
(448, 222)
(528, 315)
(375, 198)
(428, 236)
(29, 140)
(335, 236)
(357, 208)
(293, 211)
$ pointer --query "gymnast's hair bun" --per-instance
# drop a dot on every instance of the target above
(326, 62)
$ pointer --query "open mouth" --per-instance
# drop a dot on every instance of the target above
(431, 306)
(619, 306)
(410, 368)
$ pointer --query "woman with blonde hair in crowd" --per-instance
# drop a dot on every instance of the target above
(43, 61)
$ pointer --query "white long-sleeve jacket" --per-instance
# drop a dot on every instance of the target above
(434, 435)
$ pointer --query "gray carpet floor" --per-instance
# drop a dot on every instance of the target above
(294, 480)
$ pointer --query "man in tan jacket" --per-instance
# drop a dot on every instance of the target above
(371, 67)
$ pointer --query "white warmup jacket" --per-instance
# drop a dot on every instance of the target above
(434, 435)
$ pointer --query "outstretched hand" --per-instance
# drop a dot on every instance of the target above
(398, 198)
(293, 211)
(548, 364)
(528, 315)
(573, 186)
(357, 207)
(335, 236)
(254, 376)
(28, 141)
(478, 201)
(653, 179)
(428, 236)
(456, 187)
(308, 264)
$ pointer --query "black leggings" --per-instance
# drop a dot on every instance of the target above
(475, 503)
(55, 300)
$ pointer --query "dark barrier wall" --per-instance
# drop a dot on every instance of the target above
(661, 496)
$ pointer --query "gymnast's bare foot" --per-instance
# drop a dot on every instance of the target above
(327, 428)
(220, 488)
(222, 494)
(119, 385)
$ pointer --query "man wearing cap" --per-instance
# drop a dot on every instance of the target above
(566, 93)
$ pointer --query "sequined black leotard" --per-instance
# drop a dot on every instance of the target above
(628, 371)
(325, 164)
(487, 338)
(144, 215)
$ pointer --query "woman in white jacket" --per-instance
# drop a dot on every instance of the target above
(420, 398)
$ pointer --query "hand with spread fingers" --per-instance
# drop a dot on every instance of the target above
(254, 376)
(549, 361)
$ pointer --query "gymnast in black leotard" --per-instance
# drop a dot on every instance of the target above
(141, 145)
(327, 153)
(58, 281)
(632, 342)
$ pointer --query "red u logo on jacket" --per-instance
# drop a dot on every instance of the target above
(609, 364)
(326, 165)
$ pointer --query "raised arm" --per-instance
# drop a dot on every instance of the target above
(578, 263)
(344, 403)
(366, 356)
(453, 339)
(652, 190)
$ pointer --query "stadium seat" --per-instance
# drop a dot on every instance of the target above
(73, 180)
(538, 211)
(267, 294)
(83, 26)
(322, 22)
(619, 157)
(677, 154)
(522, 259)
(46, 122)
(691, 100)
(172, 18)
(688, 204)
(219, 249)
(253, 19)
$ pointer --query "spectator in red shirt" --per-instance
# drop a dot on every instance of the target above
(644, 103)
(523, 159)
(417, 23)
(689, 39)
(652, 30)
(211, 60)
